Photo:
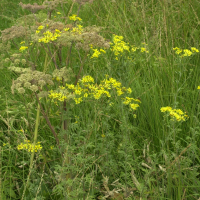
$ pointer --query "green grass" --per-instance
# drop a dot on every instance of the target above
(104, 151)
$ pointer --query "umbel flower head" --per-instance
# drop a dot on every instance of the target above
(81, 2)
(33, 8)
(51, 4)
(29, 79)
(63, 73)
(90, 36)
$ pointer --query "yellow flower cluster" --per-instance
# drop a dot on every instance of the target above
(49, 36)
(118, 46)
(176, 114)
(60, 96)
(23, 42)
(29, 147)
(128, 101)
(97, 52)
(144, 50)
(22, 48)
(185, 52)
(86, 88)
(75, 18)
(78, 29)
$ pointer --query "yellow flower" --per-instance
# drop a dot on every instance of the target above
(66, 29)
(22, 48)
(178, 50)
(70, 86)
(102, 50)
(85, 95)
(134, 106)
(133, 49)
(129, 90)
(78, 92)
(29, 147)
(78, 100)
(58, 78)
(58, 13)
(176, 114)
(22, 42)
(164, 109)
(51, 147)
(198, 87)
(119, 92)
(144, 50)
(186, 53)
(96, 53)
(58, 31)
(75, 18)
(87, 79)
(40, 27)
(194, 50)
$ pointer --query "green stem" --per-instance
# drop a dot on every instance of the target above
(35, 133)
(33, 153)
(45, 62)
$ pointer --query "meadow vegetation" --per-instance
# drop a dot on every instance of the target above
(99, 99)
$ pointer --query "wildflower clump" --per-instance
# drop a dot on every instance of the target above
(176, 114)
(185, 52)
(87, 89)
(118, 46)
(26, 145)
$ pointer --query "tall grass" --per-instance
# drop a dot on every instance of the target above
(95, 150)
